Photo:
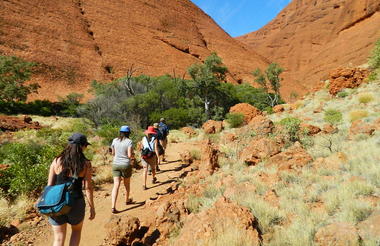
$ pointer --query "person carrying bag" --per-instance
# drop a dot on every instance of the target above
(68, 173)
(149, 154)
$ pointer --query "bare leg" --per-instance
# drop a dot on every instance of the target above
(127, 184)
(115, 190)
(153, 163)
(59, 234)
(145, 174)
(76, 234)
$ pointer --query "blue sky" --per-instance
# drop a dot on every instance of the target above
(238, 17)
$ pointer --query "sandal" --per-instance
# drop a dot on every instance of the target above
(114, 211)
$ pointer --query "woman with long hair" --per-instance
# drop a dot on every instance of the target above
(151, 155)
(72, 165)
(122, 151)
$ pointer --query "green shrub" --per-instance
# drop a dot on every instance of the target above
(365, 98)
(292, 127)
(374, 59)
(342, 94)
(235, 119)
(333, 116)
(29, 164)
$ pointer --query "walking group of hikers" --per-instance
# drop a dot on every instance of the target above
(70, 172)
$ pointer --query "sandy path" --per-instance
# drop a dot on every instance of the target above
(93, 231)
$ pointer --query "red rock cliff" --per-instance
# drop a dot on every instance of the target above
(77, 41)
(311, 37)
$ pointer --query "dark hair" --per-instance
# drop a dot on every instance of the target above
(123, 135)
(72, 159)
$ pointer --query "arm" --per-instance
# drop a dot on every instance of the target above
(130, 152)
(113, 150)
(89, 189)
(51, 178)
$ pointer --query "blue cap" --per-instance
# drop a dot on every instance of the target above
(125, 129)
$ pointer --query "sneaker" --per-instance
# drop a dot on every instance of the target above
(158, 169)
(154, 180)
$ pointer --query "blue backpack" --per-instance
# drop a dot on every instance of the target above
(56, 200)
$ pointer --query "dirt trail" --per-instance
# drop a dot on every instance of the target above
(93, 231)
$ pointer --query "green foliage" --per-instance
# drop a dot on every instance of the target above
(14, 72)
(29, 164)
(38, 107)
(235, 119)
(270, 80)
(292, 127)
(207, 78)
(342, 94)
(374, 59)
(333, 116)
(71, 103)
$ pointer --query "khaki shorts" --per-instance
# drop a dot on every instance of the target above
(122, 171)
(152, 162)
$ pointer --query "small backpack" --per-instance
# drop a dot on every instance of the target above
(57, 200)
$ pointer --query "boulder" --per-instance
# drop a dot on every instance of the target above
(209, 158)
(311, 130)
(337, 234)
(259, 149)
(261, 125)
(169, 214)
(329, 129)
(370, 228)
(189, 131)
(332, 162)
(360, 127)
(229, 137)
(225, 217)
(212, 126)
(279, 108)
(27, 119)
(186, 157)
(247, 110)
(121, 230)
(294, 157)
(342, 78)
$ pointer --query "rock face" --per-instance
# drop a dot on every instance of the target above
(294, 157)
(308, 38)
(12, 124)
(199, 228)
(75, 42)
(259, 149)
(346, 78)
(247, 110)
(370, 229)
(212, 126)
(337, 234)
(121, 230)
(209, 158)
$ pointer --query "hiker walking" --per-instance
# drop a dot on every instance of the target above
(149, 154)
(72, 165)
(164, 130)
(122, 150)
(159, 137)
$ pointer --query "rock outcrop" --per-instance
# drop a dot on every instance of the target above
(259, 149)
(346, 78)
(202, 227)
(75, 42)
(212, 126)
(209, 158)
(12, 123)
(121, 230)
(247, 110)
(337, 234)
(308, 38)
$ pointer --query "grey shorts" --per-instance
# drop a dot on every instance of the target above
(122, 171)
(74, 217)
